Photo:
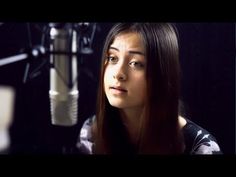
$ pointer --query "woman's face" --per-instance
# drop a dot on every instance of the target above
(125, 70)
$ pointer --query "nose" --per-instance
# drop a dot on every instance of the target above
(120, 73)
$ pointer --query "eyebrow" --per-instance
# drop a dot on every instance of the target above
(131, 51)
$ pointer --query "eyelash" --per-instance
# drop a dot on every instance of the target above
(111, 59)
(136, 64)
(133, 64)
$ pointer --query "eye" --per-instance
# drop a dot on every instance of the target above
(112, 59)
(136, 64)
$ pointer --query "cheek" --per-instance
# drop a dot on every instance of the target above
(145, 90)
(142, 93)
(141, 88)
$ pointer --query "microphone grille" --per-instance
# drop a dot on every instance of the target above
(64, 112)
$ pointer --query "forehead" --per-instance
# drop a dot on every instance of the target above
(128, 40)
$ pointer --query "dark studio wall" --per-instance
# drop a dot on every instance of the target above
(207, 52)
(207, 56)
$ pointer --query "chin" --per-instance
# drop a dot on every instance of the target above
(116, 104)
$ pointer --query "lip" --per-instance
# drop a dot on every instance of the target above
(118, 89)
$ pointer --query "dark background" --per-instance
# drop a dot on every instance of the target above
(207, 54)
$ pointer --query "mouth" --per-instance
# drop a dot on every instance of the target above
(118, 89)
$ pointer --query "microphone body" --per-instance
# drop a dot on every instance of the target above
(63, 93)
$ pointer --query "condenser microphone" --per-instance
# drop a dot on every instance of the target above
(63, 93)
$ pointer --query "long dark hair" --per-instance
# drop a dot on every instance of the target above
(160, 132)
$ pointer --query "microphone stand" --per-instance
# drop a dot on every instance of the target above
(35, 52)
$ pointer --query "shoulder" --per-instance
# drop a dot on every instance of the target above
(198, 140)
(85, 143)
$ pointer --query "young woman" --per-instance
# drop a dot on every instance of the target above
(138, 97)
